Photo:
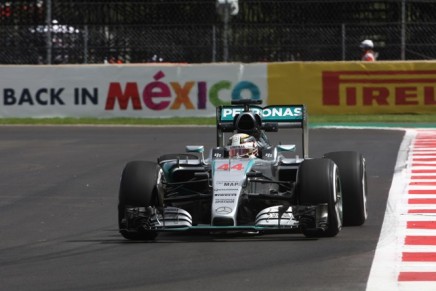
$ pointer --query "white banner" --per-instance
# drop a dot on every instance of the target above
(105, 91)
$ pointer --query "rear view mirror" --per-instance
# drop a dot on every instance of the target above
(286, 148)
(195, 149)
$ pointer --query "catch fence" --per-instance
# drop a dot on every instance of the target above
(192, 31)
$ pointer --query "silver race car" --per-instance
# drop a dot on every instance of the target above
(245, 184)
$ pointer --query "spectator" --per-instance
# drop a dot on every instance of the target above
(113, 60)
(367, 47)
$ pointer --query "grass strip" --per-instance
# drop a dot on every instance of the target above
(319, 119)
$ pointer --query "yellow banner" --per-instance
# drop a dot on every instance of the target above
(354, 87)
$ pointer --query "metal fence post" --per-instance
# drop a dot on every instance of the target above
(344, 35)
(48, 24)
(213, 44)
(226, 8)
(85, 44)
(226, 33)
(403, 30)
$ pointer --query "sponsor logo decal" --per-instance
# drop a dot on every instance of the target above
(223, 210)
(217, 155)
(270, 113)
(268, 155)
(226, 190)
(226, 186)
(231, 184)
(378, 88)
(161, 95)
(225, 201)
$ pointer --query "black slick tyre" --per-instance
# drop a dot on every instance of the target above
(137, 189)
(352, 170)
(318, 183)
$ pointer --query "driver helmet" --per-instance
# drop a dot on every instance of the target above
(242, 145)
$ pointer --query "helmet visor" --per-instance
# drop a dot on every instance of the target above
(239, 152)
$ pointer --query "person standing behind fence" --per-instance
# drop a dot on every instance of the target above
(367, 47)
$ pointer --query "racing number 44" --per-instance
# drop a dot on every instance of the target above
(227, 167)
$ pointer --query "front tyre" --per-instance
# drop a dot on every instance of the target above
(352, 169)
(318, 183)
(137, 189)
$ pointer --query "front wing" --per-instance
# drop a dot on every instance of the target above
(276, 219)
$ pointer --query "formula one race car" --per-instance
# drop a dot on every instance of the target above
(245, 185)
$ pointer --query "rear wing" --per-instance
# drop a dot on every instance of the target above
(287, 116)
(272, 118)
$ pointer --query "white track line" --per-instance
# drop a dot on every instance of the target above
(385, 267)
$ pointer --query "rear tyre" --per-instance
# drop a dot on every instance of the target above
(137, 189)
(352, 170)
(318, 182)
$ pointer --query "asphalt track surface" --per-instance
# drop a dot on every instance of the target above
(58, 224)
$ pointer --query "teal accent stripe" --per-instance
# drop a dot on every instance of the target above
(213, 168)
(249, 165)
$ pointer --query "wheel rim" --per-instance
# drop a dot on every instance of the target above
(338, 198)
(364, 188)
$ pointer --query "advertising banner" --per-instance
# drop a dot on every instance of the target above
(105, 91)
(182, 90)
(355, 87)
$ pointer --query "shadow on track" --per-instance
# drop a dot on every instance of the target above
(170, 238)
